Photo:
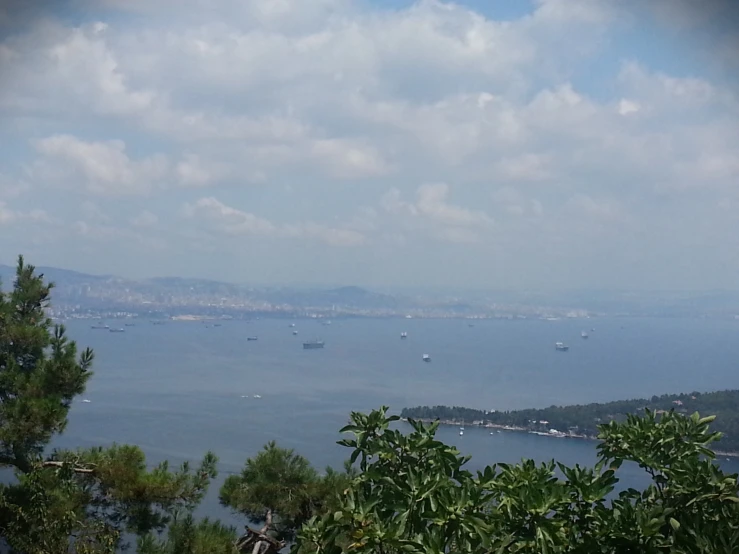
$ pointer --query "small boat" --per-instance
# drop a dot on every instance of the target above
(86, 401)
(426, 358)
(257, 396)
(117, 330)
(562, 347)
(252, 338)
(470, 325)
(584, 334)
(313, 344)
(403, 335)
(216, 325)
(130, 324)
(295, 333)
(100, 326)
(461, 433)
(292, 325)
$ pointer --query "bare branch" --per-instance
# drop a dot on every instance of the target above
(75, 468)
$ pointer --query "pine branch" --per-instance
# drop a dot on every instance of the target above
(75, 468)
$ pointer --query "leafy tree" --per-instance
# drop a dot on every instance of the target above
(84, 500)
(281, 490)
(412, 494)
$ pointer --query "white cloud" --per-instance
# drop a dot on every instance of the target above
(9, 216)
(433, 214)
(432, 203)
(144, 219)
(326, 104)
(104, 167)
(602, 210)
(11, 187)
(231, 221)
(625, 107)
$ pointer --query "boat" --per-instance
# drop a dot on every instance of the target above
(461, 433)
(470, 325)
(100, 326)
(130, 324)
(561, 346)
(117, 330)
(584, 334)
(86, 401)
(295, 333)
(292, 325)
(257, 396)
(403, 335)
(426, 358)
(252, 338)
(313, 344)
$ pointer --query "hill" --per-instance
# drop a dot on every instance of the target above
(583, 420)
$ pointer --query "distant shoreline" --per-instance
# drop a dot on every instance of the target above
(518, 429)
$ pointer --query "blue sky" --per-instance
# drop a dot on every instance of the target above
(513, 144)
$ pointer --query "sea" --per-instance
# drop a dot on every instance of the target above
(185, 387)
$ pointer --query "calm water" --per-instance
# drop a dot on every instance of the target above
(176, 389)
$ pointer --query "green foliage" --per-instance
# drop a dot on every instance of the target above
(187, 536)
(40, 371)
(585, 419)
(399, 492)
(281, 489)
(413, 494)
(82, 501)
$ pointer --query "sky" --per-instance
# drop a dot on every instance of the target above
(498, 143)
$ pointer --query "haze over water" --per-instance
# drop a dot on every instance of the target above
(177, 389)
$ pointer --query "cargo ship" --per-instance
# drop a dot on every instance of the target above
(312, 344)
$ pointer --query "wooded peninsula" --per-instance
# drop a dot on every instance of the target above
(582, 420)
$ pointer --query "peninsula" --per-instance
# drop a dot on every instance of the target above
(581, 421)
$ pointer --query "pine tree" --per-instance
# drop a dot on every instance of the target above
(83, 500)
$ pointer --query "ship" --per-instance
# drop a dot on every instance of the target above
(426, 358)
(252, 338)
(561, 346)
(403, 335)
(584, 334)
(312, 344)
(99, 326)
(117, 330)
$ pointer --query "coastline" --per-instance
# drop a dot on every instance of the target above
(518, 429)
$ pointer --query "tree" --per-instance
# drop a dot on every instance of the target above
(412, 494)
(86, 499)
(281, 490)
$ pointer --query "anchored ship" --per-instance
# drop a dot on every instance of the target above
(312, 344)
(561, 346)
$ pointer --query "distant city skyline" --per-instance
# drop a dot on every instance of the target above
(475, 145)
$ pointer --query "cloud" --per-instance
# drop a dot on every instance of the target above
(144, 219)
(104, 167)
(432, 203)
(435, 214)
(308, 111)
(231, 221)
(9, 216)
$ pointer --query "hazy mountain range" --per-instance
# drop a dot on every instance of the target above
(174, 294)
